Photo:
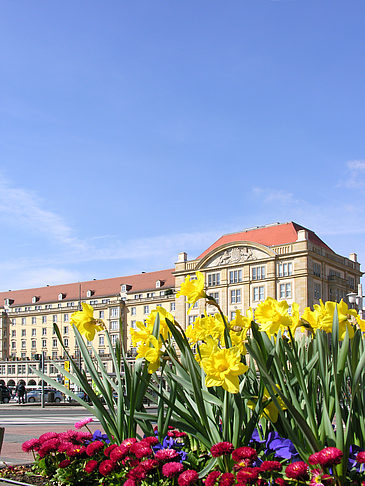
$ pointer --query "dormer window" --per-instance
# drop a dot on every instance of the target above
(35, 299)
(159, 284)
(123, 288)
(89, 293)
(61, 296)
(8, 301)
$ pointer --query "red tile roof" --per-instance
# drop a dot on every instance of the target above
(101, 288)
(271, 235)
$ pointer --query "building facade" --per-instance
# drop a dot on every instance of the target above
(284, 261)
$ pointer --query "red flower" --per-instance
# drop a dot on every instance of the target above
(166, 454)
(64, 463)
(129, 442)
(329, 456)
(106, 467)
(212, 478)
(188, 477)
(227, 479)
(149, 464)
(137, 474)
(30, 445)
(109, 449)
(221, 448)
(75, 450)
(141, 450)
(90, 466)
(171, 469)
(150, 440)
(271, 466)
(280, 482)
(297, 470)
(94, 447)
(118, 453)
(129, 482)
(47, 436)
(50, 445)
(248, 475)
(313, 459)
(359, 458)
(244, 453)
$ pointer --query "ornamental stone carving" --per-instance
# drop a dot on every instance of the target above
(240, 254)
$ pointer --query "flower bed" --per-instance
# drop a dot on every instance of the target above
(285, 388)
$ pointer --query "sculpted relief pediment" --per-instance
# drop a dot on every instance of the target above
(238, 254)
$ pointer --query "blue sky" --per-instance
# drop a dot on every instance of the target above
(131, 131)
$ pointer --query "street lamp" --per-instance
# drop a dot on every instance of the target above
(357, 300)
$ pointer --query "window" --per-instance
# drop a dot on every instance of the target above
(48, 306)
(285, 291)
(114, 312)
(44, 343)
(146, 309)
(54, 343)
(215, 296)
(66, 342)
(23, 344)
(34, 344)
(192, 319)
(138, 296)
(65, 329)
(172, 306)
(65, 317)
(150, 295)
(89, 293)
(13, 322)
(114, 338)
(258, 273)
(101, 314)
(21, 369)
(351, 281)
(34, 320)
(44, 331)
(93, 302)
(236, 296)
(101, 340)
(24, 332)
(214, 279)
(54, 318)
(233, 315)
(59, 305)
(38, 307)
(34, 332)
(13, 345)
(133, 324)
(285, 269)
(11, 369)
(27, 309)
(34, 300)
(70, 304)
(114, 325)
(317, 291)
(24, 321)
(259, 293)
(158, 284)
(54, 355)
(133, 311)
(316, 269)
(44, 319)
(13, 333)
(105, 301)
(2, 369)
(61, 296)
(235, 276)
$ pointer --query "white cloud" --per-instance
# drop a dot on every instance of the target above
(21, 206)
(356, 174)
(274, 195)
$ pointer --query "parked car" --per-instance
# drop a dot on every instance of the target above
(50, 395)
(5, 394)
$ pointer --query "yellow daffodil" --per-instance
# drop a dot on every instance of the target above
(270, 411)
(322, 317)
(193, 289)
(85, 322)
(239, 326)
(141, 333)
(150, 321)
(151, 351)
(223, 367)
(272, 315)
(360, 323)
(204, 327)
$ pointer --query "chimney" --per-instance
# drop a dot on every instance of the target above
(353, 257)
(302, 235)
(182, 257)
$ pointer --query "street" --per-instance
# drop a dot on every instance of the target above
(23, 422)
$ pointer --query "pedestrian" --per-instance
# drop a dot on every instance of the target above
(20, 391)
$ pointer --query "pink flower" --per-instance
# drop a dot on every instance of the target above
(109, 449)
(166, 454)
(271, 466)
(64, 463)
(94, 447)
(172, 469)
(83, 422)
(129, 482)
(137, 474)
(141, 450)
(297, 470)
(149, 464)
(75, 450)
(188, 477)
(320, 479)
(313, 459)
(106, 467)
(359, 458)
(221, 448)
(47, 436)
(30, 445)
(248, 475)
(329, 456)
(129, 442)
(90, 466)
(118, 453)
(50, 445)
(212, 478)
(244, 453)
(151, 441)
(227, 479)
